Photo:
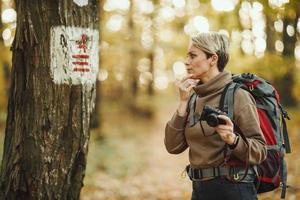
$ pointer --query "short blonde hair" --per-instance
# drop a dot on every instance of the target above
(213, 43)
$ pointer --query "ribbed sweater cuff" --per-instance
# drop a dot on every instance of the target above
(240, 148)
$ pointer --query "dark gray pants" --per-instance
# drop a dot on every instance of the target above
(222, 189)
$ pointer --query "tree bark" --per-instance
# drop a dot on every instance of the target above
(96, 115)
(47, 127)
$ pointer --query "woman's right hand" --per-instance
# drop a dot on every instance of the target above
(185, 86)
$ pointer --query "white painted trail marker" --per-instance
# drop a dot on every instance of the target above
(74, 55)
(81, 2)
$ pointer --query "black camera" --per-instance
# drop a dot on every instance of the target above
(210, 115)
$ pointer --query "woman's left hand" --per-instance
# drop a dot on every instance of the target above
(226, 130)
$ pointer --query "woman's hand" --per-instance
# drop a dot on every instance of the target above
(226, 130)
(185, 86)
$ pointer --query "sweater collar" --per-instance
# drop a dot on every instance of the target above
(215, 84)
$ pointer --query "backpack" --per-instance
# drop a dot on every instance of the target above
(272, 171)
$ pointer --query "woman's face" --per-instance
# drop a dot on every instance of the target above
(197, 62)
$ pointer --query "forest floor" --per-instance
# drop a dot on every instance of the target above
(131, 163)
(151, 173)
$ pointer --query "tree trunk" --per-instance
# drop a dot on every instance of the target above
(287, 82)
(289, 41)
(133, 73)
(150, 89)
(239, 24)
(1, 24)
(151, 54)
(55, 64)
(96, 115)
(270, 31)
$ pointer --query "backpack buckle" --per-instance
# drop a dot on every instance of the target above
(236, 177)
(251, 88)
(285, 114)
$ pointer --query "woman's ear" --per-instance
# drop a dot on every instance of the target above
(214, 59)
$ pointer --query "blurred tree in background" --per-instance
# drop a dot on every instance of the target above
(149, 40)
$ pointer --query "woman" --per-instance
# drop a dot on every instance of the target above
(206, 59)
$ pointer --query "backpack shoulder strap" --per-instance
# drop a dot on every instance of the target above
(227, 98)
(286, 137)
(226, 105)
(284, 115)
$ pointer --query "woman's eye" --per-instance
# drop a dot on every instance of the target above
(192, 56)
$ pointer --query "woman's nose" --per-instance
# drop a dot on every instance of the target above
(187, 64)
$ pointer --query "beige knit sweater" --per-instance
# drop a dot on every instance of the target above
(206, 148)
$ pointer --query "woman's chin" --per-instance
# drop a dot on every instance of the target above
(194, 77)
(191, 75)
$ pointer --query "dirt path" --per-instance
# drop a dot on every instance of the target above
(163, 175)
(159, 179)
